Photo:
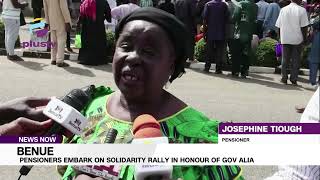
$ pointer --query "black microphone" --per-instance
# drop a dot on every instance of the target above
(78, 99)
(111, 136)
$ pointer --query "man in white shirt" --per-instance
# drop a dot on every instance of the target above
(292, 23)
(262, 9)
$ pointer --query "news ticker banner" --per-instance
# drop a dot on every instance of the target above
(244, 133)
(239, 143)
(269, 133)
(160, 154)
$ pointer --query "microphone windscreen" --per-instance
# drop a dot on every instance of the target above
(148, 133)
(77, 98)
(146, 126)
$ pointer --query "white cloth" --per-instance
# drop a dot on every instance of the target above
(121, 11)
(11, 27)
(9, 11)
(262, 9)
(311, 113)
(290, 21)
(296, 173)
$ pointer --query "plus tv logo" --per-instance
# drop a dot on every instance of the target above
(40, 32)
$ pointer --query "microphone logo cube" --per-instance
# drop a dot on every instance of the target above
(66, 116)
(77, 122)
(58, 109)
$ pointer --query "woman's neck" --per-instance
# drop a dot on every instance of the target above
(144, 105)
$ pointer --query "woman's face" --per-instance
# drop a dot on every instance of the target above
(143, 60)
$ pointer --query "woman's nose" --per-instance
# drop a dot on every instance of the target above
(133, 58)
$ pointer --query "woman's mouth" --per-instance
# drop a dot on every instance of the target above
(130, 78)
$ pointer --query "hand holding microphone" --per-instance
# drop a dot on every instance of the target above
(23, 116)
(25, 127)
(27, 107)
(66, 112)
(66, 116)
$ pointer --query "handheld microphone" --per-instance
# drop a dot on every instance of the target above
(106, 172)
(66, 115)
(146, 130)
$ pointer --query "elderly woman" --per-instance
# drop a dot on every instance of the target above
(150, 53)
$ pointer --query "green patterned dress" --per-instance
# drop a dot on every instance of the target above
(186, 126)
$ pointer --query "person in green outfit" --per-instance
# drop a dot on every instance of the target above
(245, 16)
(150, 53)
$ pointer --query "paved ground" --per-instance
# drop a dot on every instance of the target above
(260, 98)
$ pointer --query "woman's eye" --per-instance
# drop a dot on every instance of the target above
(125, 46)
(148, 51)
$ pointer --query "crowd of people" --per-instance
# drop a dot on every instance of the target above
(226, 25)
(229, 28)
(235, 25)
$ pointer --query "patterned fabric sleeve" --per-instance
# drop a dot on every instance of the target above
(186, 126)
(192, 126)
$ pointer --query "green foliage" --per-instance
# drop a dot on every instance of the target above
(265, 54)
(305, 53)
(2, 45)
(199, 50)
(111, 43)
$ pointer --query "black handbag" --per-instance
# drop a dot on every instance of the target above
(22, 19)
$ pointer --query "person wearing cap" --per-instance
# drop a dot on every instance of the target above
(150, 54)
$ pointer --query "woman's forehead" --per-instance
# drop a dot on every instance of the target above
(141, 26)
